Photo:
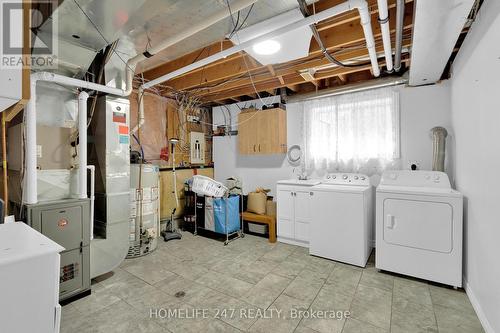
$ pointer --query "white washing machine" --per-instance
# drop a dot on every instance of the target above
(419, 226)
(342, 218)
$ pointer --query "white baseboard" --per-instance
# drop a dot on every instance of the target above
(477, 307)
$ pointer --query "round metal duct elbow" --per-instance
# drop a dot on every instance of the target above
(439, 135)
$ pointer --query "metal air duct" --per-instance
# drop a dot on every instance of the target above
(439, 135)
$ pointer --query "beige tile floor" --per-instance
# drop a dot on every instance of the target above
(229, 287)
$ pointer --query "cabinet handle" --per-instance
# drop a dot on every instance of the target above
(254, 148)
(259, 146)
(291, 193)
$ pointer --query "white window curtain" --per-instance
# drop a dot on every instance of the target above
(356, 132)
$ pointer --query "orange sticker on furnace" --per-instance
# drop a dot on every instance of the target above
(123, 129)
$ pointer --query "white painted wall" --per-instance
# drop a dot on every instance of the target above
(421, 109)
(475, 93)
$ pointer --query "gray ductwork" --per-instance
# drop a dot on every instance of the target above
(439, 135)
(110, 154)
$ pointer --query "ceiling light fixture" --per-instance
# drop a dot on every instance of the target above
(279, 49)
(267, 47)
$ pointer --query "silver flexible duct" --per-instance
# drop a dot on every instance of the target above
(439, 135)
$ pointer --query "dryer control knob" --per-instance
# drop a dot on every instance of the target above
(356, 177)
(334, 177)
(344, 176)
(363, 178)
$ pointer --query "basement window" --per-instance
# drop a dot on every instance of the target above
(356, 132)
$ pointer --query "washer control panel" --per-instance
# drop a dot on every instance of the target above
(415, 178)
(346, 179)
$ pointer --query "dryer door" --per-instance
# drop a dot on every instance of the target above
(423, 225)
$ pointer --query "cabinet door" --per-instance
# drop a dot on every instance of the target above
(282, 132)
(303, 205)
(302, 214)
(285, 212)
(272, 136)
(264, 129)
(246, 133)
(277, 135)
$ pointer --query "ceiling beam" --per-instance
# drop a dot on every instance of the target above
(271, 70)
(238, 65)
(287, 70)
(189, 58)
(293, 80)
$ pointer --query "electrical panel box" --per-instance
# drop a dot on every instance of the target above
(197, 141)
(66, 222)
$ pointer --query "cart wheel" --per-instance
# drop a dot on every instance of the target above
(242, 235)
(225, 243)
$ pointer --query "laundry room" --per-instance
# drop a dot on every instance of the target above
(308, 166)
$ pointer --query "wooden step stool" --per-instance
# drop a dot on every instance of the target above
(262, 219)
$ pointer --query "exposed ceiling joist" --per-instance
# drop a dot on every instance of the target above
(292, 69)
(291, 81)
(335, 37)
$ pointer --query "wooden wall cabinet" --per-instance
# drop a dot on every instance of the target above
(262, 132)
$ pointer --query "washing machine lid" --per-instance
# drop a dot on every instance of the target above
(419, 190)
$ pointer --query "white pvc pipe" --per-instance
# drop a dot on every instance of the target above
(92, 199)
(361, 5)
(30, 177)
(31, 156)
(386, 33)
(31, 188)
(82, 145)
(365, 19)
